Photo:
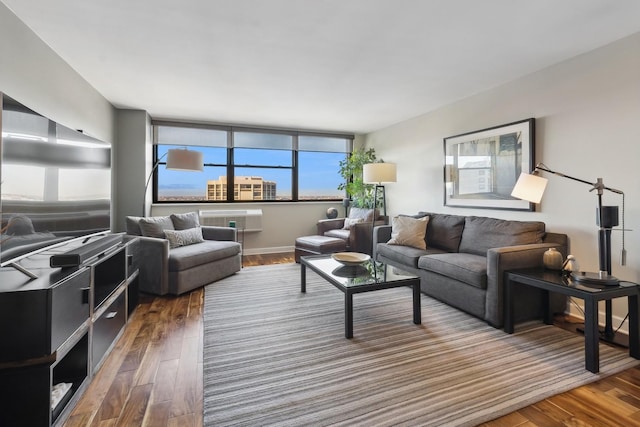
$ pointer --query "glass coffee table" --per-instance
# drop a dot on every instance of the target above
(366, 277)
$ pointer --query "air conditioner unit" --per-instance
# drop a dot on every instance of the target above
(245, 219)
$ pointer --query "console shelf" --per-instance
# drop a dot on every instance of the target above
(57, 329)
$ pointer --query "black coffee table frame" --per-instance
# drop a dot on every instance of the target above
(552, 281)
(324, 265)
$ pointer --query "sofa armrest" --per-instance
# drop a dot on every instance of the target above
(361, 236)
(506, 258)
(559, 239)
(381, 234)
(154, 265)
(212, 232)
(324, 225)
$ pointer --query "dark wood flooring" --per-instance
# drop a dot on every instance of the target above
(153, 377)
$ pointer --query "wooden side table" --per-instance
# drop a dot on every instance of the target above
(553, 281)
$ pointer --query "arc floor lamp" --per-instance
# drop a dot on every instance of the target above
(531, 187)
(180, 159)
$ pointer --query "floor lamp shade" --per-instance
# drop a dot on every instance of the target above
(529, 187)
(183, 159)
(378, 173)
(177, 159)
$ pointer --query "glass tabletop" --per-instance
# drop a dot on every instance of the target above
(557, 278)
(368, 273)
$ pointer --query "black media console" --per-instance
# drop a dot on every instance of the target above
(57, 329)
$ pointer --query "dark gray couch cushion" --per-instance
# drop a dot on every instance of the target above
(405, 255)
(154, 226)
(133, 227)
(464, 267)
(481, 234)
(185, 257)
(185, 221)
(444, 231)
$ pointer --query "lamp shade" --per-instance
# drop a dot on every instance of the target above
(185, 160)
(529, 187)
(377, 173)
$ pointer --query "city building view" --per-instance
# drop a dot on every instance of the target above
(244, 188)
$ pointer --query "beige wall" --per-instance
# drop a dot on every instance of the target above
(132, 165)
(587, 113)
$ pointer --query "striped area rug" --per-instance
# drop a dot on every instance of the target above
(275, 356)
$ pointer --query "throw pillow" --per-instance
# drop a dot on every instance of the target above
(155, 226)
(366, 214)
(350, 222)
(133, 225)
(179, 238)
(408, 231)
(185, 221)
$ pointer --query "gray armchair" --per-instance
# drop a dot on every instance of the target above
(175, 270)
(358, 235)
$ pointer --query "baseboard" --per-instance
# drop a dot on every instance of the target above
(272, 250)
(621, 337)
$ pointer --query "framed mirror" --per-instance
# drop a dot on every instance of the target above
(482, 167)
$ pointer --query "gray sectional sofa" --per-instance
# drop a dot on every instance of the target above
(178, 254)
(465, 259)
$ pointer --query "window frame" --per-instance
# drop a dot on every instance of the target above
(230, 165)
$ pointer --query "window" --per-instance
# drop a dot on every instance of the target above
(249, 164)
(263, 166)
(318, 167)
(181, 186)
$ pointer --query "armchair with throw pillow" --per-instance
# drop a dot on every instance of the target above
(355, 230)
(178, 254)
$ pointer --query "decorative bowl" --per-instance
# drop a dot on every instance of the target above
(350, 258)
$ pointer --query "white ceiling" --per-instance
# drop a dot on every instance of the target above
(341, 65)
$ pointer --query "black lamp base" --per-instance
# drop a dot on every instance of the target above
(595, 278)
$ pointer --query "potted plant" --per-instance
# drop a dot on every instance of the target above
(361, 194)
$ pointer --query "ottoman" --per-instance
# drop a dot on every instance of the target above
(316, 245)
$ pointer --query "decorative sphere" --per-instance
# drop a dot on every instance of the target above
(332, 213)
(552, 259)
